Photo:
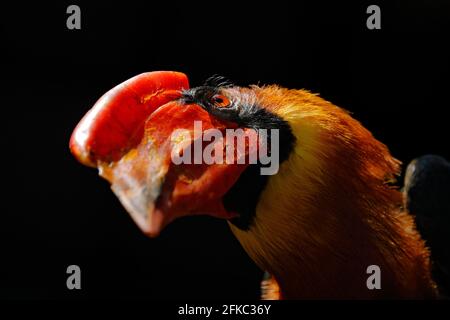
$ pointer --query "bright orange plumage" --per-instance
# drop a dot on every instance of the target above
(332, 211)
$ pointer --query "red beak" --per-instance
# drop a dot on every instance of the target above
(129, 136)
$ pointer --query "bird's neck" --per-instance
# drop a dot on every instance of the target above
(330, 259)
(318, 237)
(328, 213)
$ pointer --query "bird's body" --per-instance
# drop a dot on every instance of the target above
(316, 226)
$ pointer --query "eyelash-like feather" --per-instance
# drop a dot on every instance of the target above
(217, 81)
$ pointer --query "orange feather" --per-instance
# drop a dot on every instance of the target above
(331, 211)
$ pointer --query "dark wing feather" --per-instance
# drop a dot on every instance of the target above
(427, 198)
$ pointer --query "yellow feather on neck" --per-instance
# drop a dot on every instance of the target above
(328, 214)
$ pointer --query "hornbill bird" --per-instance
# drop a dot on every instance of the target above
(315, 226)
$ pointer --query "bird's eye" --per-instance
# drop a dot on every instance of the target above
(220, 101)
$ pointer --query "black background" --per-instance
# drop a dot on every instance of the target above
(55, 212)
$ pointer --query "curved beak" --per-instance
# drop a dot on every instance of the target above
(136, 135)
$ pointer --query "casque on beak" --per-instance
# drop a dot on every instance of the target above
(129, 136)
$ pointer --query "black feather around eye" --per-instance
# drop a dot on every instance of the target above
(217, 81)
(243, 196)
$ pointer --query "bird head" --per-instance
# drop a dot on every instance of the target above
(167, 152)
(324, 185)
